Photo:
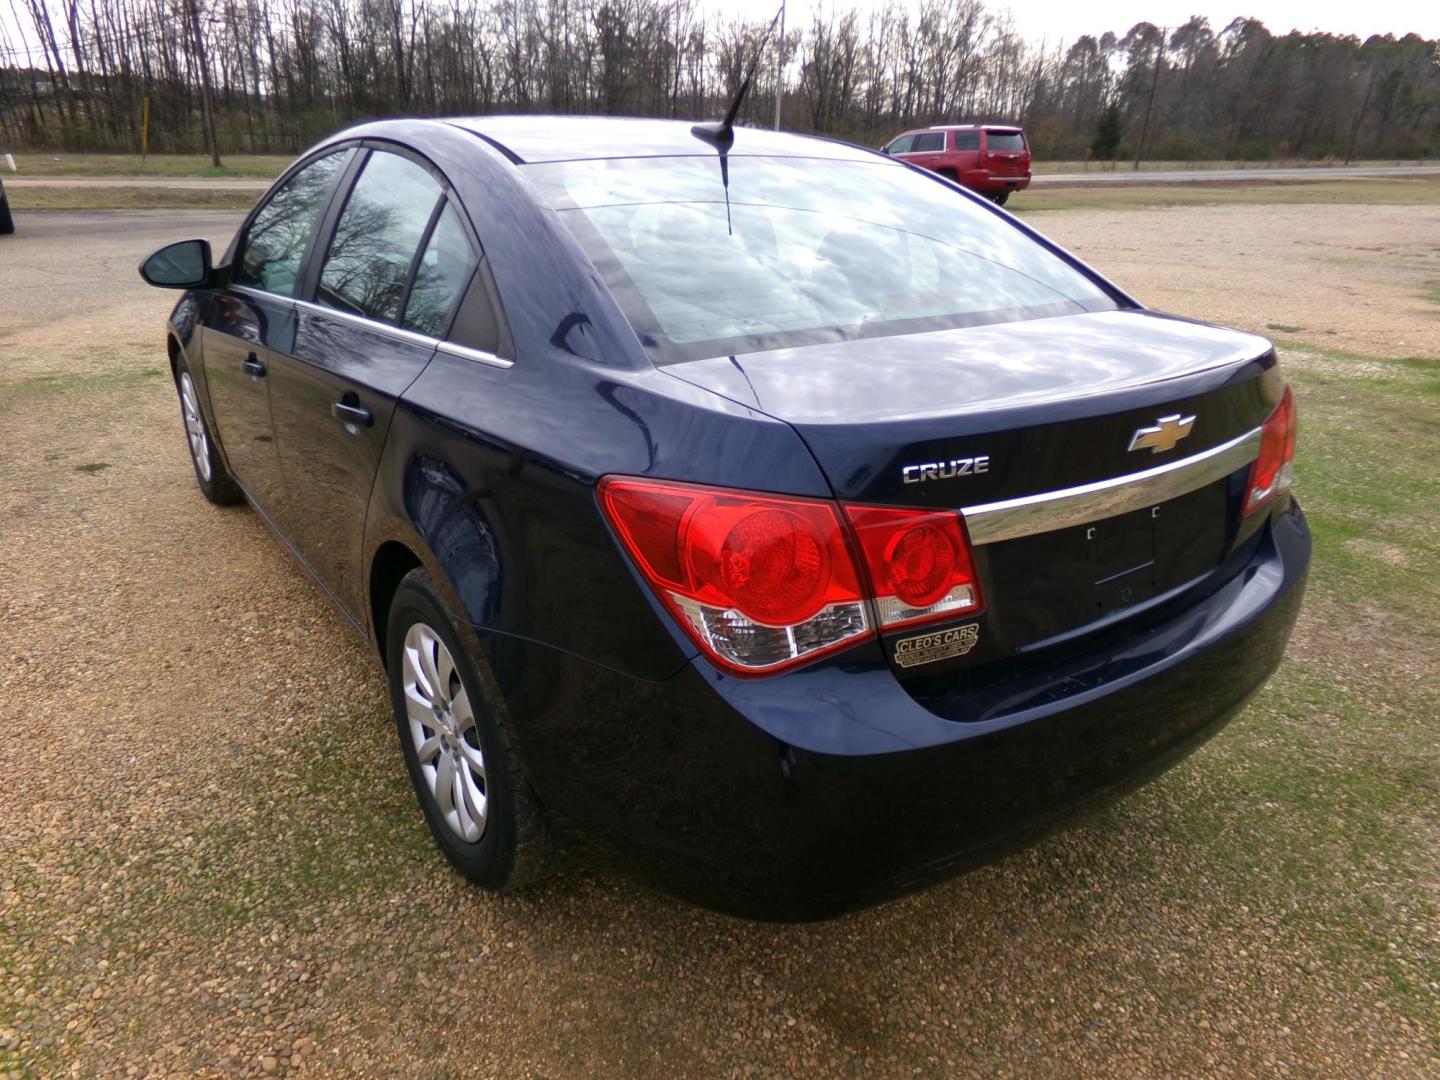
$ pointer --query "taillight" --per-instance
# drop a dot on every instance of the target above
(1270, 473)
(760, 582)
(763, 582)
(919, 564)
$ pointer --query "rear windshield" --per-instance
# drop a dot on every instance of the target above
(802, 252)
(1005, 140)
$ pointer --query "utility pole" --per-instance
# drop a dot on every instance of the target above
(204, 83)
(780, 68)
(1145, 127)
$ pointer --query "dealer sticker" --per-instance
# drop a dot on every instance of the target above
(941, 645)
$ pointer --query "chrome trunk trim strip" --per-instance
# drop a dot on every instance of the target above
(1010, 519)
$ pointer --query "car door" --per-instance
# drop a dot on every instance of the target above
(967, 152)
(383, 291)
(247, 322)
(927, 149)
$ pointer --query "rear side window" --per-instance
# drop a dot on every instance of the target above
(967, 140)
(367, 267)
(902, 145)
(275, 242)
(444, 271)
(1005, 141)
(928, 142)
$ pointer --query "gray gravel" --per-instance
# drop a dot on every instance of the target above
(211, 863)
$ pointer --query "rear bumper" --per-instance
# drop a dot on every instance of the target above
(831, 788)
(983, 180)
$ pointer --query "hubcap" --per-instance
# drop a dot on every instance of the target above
(194, 426)
(443, 728)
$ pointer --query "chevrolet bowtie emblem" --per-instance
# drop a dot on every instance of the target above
(1168, 431)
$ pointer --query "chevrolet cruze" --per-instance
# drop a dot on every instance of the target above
(772, 518)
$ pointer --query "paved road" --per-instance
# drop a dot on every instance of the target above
(1121, 175)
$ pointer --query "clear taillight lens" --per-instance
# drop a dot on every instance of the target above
(1270, 473)
(760, 582)
(919, 562)
(764, 582)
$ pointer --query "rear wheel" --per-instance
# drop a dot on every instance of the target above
(7, 223)
(1000, 197)
(210, 472)
(480, 809)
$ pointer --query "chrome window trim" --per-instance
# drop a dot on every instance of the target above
(1010, 519)
(262, 294)
(479, 356)
(463, 352)
(410, 337)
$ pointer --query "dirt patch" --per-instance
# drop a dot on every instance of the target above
(1339, 277)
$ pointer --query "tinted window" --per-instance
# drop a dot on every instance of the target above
(798, 254)
(967, 140)
(273, 246)
(1004, 141)
(902, 144)
(385, 218)
(442, 275)
(929, 141)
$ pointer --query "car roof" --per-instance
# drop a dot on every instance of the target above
(528, 139)
(973, 127)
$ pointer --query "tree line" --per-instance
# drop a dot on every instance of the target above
(280, 73)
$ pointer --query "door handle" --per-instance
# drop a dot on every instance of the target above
(253, 367)
(352, 416)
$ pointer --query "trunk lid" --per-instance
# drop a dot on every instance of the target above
(972, 417)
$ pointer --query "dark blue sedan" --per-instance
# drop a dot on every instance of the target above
(781, 523)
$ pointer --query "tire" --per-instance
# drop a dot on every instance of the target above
(484, 816)
(1001, 198)
(7, 222)
(213, 478)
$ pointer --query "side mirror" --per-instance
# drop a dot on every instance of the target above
(884, 149)
(185, 265)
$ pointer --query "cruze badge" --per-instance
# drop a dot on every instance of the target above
(1168, 431)
(946, 470)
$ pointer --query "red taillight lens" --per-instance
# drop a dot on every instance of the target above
(919, 562)
(1270, 473)
(761, 582)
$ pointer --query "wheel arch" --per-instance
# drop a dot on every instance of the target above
(389, 564)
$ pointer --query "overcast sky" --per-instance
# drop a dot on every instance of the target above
(1054, 22)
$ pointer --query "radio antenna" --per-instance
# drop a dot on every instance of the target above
(721, 133)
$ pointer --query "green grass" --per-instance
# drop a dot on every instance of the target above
(1189, 166)
(26, 199)
(1404, 191)
(265, 167)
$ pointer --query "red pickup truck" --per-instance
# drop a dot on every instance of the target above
(993, 159)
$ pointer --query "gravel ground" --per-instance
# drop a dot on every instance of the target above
(211, 864)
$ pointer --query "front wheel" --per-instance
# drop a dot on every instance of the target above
(211, 475)
(481, 811)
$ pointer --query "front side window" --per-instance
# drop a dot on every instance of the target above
(902, 145)
(367, 266)
(275, 242)
(798, 253)
(441, 276)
